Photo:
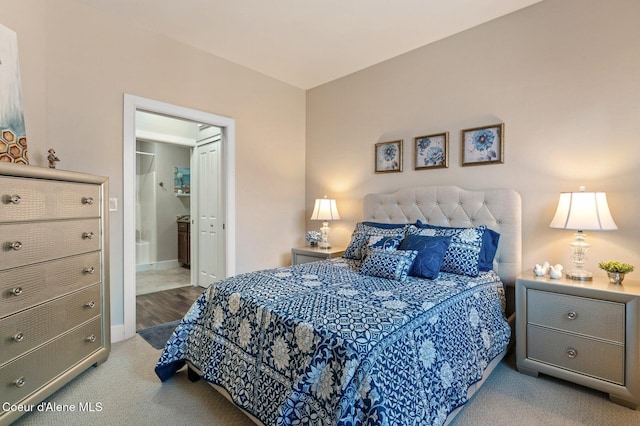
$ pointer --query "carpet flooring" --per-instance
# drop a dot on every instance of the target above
(158, 335)
(130, 394)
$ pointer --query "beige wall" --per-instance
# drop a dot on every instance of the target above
(76, 64)
(563, 75)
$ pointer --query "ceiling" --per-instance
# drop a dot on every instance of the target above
(307, 43)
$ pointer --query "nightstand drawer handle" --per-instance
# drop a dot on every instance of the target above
(17, 245)
(91, 338)
(16, 291)
(19, 337)
(87, 235)
(15, 199)
(572, 315)
(89, 270)
(572, 353)
(19, 382)
(87, 200)
(90, 305)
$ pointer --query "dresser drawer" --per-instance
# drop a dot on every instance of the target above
(595, 358)
(40, 366)
(590, 317)
(28, 329)
(37, 199)
(27, 243)
(30, 285)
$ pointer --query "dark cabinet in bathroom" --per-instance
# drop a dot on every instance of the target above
(184, 244)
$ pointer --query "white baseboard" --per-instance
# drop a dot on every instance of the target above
(165, 264)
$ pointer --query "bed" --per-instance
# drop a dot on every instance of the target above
(366, 339)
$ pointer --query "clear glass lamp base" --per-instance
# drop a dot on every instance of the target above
(580, 275)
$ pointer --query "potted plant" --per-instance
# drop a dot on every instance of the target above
(616, 270)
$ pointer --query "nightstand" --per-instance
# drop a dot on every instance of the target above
(586, 332)
(313, 254)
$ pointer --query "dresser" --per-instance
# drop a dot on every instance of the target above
(313, 254)
(54, 282)
(587, 332)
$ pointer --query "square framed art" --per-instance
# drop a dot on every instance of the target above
(388, 157)
(483, 145)
(431, 151)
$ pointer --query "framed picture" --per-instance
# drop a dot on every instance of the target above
(483, 145)
(432, 151)
(389, 157)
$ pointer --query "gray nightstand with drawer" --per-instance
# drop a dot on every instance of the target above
(313, 254)
(587, 332)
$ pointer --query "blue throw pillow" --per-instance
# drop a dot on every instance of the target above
(490, 240)
(384, 243)
(357, 248)
(392, 265)
(463, 254)
(431, 252)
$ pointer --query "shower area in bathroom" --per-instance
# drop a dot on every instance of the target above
(146, 241)
(159, 207)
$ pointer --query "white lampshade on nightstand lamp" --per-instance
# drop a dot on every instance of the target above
(325, 209)
(582, 211)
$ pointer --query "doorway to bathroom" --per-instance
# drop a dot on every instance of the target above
(194, 182)
(163, 214)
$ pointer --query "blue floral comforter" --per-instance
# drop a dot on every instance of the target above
(320, 344)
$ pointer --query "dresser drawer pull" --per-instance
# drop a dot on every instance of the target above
(572, 353)
(16, 245)
(87, 200)
(15, 199)
(19, 382)
(16, 291)
(572, 315)
(91, 338)
(89, 270)
(87, 235)
(90, 305)
(19, 337)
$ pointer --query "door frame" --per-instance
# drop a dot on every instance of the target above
(132, 104)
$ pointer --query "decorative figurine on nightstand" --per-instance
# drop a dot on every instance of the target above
(555, 272)
(616, 270)
(52, 158)
(313, 238)
(541, 270)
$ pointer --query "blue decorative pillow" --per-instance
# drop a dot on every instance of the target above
(384, 243)
(393, 265)
(431, 252)
(463, 254)
(357, 248)
(490, 240)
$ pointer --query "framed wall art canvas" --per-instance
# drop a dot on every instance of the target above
(388, 157)
(431, 151)
(13, 139)
(483, 145)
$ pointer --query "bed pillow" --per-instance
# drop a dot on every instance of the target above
(392, 265)
(490, 240)
(383, 243)
(431, 251)
(463, 254)
(357, 248)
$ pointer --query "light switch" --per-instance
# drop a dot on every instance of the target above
(113, 204)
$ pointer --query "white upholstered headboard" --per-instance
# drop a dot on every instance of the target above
(498, 209)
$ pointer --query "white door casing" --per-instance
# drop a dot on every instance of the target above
(227, 167)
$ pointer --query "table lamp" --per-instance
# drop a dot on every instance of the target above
(325, 209)
(582, 211)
